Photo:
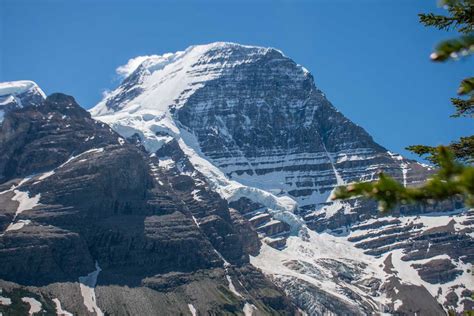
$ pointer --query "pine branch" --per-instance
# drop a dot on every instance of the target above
(464, 108)
(423, 150)
(440, 22)
(462, 150)
(467, 85)
(461, 16)
(454, 48)
(452, 179)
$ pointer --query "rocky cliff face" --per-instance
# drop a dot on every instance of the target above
(93, 224)
(252, 122)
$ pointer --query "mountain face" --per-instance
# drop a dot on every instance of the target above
(92, 225)
(268, 141)
(210, 194)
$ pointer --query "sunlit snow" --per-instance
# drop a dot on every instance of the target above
(35, 306)
(87, 285)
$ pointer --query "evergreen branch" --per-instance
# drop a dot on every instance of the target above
(441, 22)
(467, 86)
(423, 150)
(461, 16)
(464, 108)
(452, 179)
(462, 150)
(454, 48)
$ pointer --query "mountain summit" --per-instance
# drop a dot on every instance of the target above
(170, 78)
(253, 122)
(255, 114)
(15, 94)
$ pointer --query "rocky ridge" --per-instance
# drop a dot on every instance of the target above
(89, 220)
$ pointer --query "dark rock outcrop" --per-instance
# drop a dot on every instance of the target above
(76, 195)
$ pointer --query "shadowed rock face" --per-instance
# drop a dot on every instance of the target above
(73, 193)
(438, 271)
(38, 138)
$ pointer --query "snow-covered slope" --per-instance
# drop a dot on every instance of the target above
(14, 91)
(13, 94)
(409, 273)
(267, 140)
(168, 80)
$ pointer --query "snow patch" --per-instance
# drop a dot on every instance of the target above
(93, 150)
(35, 306)
(25, 201)
(404, 167)
(46, 175)
(192, 309)
(196, 195)
(166, 163)
(232, 287)
(5, 301)
(249, 309)
(196, 222)
(87, 285)
(226, 263)
(59, 310)
(397, 304)
(18, 225)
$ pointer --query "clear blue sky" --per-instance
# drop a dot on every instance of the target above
(370, 57)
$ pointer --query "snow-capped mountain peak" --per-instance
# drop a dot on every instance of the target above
(237, 95)
(14, 94)
(20, 87)
(155, 62)
(157, 82)
(267, 140)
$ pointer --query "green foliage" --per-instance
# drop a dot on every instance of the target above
(423, 150)
(464, 108)
(460, 18)
(466, 87)
(454, 48)
(455, 176)
(469, 313)
(463, 150)
(452, 179)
